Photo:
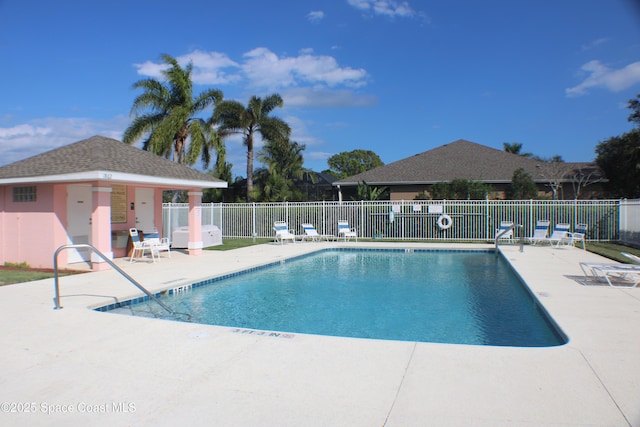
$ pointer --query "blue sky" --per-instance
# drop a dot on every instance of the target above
(394, 77)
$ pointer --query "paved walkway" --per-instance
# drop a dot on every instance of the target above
(76, 366)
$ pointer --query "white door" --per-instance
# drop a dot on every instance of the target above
(79, 209)
(144, 209)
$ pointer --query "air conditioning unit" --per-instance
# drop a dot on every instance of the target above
(211, 236)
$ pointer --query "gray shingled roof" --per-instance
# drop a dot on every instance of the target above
(99, 153)
(457, 160)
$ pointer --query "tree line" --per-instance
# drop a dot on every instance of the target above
(619, 157)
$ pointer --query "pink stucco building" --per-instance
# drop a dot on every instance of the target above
(92, 192)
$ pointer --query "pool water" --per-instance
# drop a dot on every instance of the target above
(460, 297)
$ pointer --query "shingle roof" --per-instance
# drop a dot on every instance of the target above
(457, 160)
(99, 153)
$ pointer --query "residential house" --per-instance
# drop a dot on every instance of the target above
(412, 176)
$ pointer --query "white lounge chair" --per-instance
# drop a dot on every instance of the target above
(312, 234)
(560, 235)
(504, 226)
(283, 233)
(632, 257)
(577, 236)
(346, 232)
(540, 233)
(141, 246)
(628, 274)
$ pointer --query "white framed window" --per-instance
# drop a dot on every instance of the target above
(24, 194)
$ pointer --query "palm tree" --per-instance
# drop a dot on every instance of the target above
(270, 186)
(366, 192)
(221, 170)
(515, 148)
(285, 157)
(284, 167)
(233, 117)
(170, 120)
(634, 106)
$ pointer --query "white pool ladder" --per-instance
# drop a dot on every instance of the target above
(505, 231)
(113, 265)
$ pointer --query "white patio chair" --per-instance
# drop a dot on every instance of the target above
(346, 232)
(578, 235)
(140, 246)
(560, 235)
(623, 275)
(159, 244)
(634, 258)
(283, 233)
(540, 233)
(312, 234)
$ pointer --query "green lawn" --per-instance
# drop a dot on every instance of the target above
(612, 250)
(9, 277)
(228, 244)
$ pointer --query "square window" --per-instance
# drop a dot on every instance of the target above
(24, 194)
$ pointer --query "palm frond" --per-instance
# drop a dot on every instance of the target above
(206, 99)
(155, 96)
(230, 116)
(140, 126)
(274, 129)
(200, 144)
(270, 103)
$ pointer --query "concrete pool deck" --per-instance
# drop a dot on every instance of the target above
(76, 366)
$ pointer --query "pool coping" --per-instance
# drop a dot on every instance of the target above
(179, 372)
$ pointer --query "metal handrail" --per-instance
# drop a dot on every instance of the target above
(108, 261)
(505, 231)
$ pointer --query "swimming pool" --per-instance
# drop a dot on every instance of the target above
(451, 296)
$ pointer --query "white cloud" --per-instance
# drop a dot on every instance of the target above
(315, 16)
(317, 155)
(208, 68)
(300, 133)
(389, 8)
(595, 43)
(318, 97)
(264, 68)
(22, 131)
(24, 140)
(601, 76)
(150, 69)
